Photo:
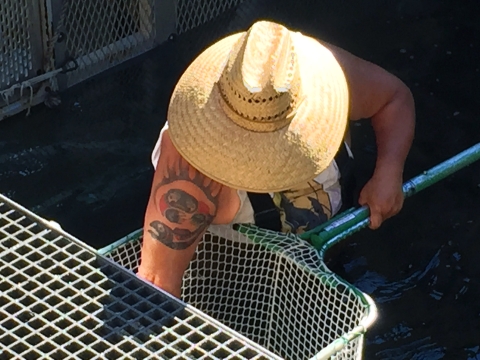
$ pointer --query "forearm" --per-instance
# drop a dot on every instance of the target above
(182, 205)
(162, 263)
(394, 126)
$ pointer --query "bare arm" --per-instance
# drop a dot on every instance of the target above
(381, 96)
(387, 101)
(182, 204)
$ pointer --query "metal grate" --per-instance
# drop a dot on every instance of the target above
(103, 33)
(60, 299)
(192, 13)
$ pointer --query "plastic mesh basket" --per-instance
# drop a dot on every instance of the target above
(59, 299)
(274, 289)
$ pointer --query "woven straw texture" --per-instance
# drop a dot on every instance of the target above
(262, 110)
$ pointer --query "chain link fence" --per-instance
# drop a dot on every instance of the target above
(42, 39)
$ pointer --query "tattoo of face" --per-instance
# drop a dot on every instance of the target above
(179, 207)
(186, 215)
(177, 239)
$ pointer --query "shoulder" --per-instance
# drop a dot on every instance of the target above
(371, 86)
(175, 176)
(174, 171)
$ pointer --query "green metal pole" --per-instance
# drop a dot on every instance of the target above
(356, 219)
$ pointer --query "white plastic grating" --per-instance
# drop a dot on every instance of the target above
(192, 13)
(60, 299)
(276, 291)
(103, 33)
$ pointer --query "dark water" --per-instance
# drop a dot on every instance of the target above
(86, 164)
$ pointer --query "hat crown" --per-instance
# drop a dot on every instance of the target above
(260, 82)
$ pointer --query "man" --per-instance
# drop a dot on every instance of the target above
(265, 112)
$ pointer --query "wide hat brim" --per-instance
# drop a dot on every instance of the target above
(261, 162)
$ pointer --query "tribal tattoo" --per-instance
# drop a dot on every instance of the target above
(185, 215)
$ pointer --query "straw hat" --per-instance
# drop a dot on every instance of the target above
(262, 110)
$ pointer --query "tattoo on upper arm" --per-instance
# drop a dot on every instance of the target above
(185, 215)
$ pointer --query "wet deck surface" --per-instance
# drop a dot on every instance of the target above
(87, 163)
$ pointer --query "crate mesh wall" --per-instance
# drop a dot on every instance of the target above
(98, 34)
(62, 300)
(192, 13)
(18, 24)
(103, 33)
(282, 296)
(15, 45)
